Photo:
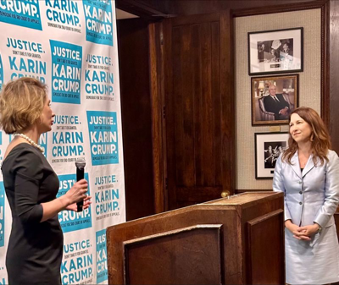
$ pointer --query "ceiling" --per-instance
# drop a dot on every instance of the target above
(121, 15)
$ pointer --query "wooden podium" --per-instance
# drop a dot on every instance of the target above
(239, 240)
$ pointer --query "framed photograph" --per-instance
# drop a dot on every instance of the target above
(273, 99)
(268, 147)
(275, 51)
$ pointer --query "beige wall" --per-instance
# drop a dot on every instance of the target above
(309, 83)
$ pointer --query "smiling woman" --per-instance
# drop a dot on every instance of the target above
(300, 130)
(308, 173)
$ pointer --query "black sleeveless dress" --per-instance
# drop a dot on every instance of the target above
(34, 251)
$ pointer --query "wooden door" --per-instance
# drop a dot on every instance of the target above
(199, 108)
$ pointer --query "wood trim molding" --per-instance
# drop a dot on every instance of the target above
(158, 126)
(325, 64)
(239, 191)
(279, 8)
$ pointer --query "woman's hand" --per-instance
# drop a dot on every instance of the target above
(296, 231)
(87, 203)
(310, 230)
(302, 233)
(76, 193)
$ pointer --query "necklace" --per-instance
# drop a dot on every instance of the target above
(30, 141)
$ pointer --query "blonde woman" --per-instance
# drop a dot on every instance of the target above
(36, 240)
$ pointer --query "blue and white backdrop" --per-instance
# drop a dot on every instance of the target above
(71, 46)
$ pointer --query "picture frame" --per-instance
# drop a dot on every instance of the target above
(268, 147)
(275, 51)
(267, 110)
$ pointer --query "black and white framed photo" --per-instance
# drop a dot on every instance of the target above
(274, 98)
(275, 51)
(268, 147)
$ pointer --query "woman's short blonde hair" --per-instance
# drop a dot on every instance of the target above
(21, 104)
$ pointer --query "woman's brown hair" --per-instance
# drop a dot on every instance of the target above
(21, 104)
(320, 137)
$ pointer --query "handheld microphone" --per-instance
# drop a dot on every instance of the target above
(80, 164)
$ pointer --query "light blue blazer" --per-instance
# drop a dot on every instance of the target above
(311, 195)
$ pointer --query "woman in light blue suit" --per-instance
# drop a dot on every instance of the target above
(308, 174)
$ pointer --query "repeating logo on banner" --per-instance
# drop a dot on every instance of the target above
(98, 16)
(99, 79)
(63, 15)
(107, 198)
(103, 136)
(43, 143)
(71, 221)
(66, 72)
(25, 13)
(2, 214)
(25, 59)
(77, 264)
(102, 274)
(1, 73)
(67, 139)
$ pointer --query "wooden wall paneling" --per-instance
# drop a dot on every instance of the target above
(333, 62)
(158, 120)
(325, 66)
(136, 116)
(199, 104)
(227, 102)
(168, 105)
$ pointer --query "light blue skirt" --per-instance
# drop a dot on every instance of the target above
(315, 261)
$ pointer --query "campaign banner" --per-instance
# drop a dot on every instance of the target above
(103, 135)
(1, 73)
(101, 257)
(66, 72)
(99, 21)
(21, 12)
(70, 46)
(2, 214)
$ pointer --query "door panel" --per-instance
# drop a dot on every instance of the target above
(199, 103)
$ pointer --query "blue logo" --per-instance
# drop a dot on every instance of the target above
(98, 15)
(2, 214)
(63, 12)
(43, 143)
(21, 13)
(103, 136)
(66, 72)
(77, 264)
(99, 82)
(102, 273)
(69, 220)
(25, 59)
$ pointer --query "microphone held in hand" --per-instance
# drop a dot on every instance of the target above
(80, 164)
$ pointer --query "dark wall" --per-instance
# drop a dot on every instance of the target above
(136, 117)
(171, 8)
